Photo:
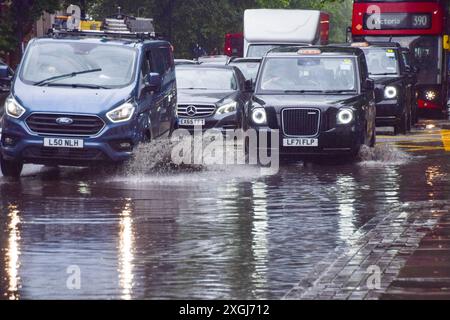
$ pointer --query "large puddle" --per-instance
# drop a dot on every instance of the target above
(153, 229)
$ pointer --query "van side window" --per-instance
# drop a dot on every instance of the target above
(157, 62)
(145, 68)
(166, 52)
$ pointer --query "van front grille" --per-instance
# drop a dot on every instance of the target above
(80, 125)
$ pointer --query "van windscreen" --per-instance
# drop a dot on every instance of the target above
(114, 66)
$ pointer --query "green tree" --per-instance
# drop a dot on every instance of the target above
(183, 22)
(17, 18)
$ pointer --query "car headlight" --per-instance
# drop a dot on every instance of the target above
(259, 116)
(227, 108)
(390, 92)
(430, 95)
(122, 113)
(13, 108)
(345, 116)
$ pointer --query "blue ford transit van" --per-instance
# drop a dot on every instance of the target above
(84, 98)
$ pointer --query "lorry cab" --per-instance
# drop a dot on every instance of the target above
(81, 99)
(320, 100)
(395, 84)
(266, 29)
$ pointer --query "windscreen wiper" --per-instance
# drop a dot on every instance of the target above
(64, 76)
(340, 91)
(77, 85)
(302, 91)
(382, 74)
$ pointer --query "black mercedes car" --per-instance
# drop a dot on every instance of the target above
(395, 87)
(320, 100)
(211, 96)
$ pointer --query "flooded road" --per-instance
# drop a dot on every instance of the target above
(229, 233)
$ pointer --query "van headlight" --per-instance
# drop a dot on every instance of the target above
(345, 116)
(122, 113)
(390, 92)
(227, 108)
(259, 116)
(13, 108)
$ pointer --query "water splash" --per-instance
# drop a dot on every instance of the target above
(383, 154)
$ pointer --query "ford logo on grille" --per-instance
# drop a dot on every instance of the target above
(64, 121)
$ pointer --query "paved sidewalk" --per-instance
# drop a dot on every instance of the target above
(427, 272)
(390, 261)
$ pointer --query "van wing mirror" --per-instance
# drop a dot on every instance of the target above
(249, 85)
(369, 84)
(154, 81)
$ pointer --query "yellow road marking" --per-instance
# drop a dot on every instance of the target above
(446, 139)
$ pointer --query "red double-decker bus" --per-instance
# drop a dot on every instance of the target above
(422, 26)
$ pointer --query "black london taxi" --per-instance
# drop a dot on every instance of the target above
(320, 99)
(395, 93)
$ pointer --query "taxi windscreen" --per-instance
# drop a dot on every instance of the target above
(381, 61)
(309, 74)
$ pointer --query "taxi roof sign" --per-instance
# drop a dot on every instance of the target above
(360, 44)
(309, 51)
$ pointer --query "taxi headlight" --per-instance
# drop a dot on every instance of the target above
(227, 108)
(259, 116)
(430, 95)
(345, 116)
(390, 92)
(13, 108)
(122, 113)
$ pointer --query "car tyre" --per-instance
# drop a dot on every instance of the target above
(402, 127)
(11, 169)
(373, 140)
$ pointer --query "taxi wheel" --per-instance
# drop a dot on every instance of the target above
(402, 127)
(373, 140)
(409, 122)
(11, 169)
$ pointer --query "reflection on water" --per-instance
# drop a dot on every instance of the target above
(13, 252)
(126, 257)
(346, 199)
(260, 242)
(228, 233)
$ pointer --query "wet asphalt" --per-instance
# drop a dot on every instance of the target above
(209, 233)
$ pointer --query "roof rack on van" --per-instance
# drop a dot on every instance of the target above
(118, 26)
(142, 36)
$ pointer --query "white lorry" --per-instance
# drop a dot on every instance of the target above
(265, 29)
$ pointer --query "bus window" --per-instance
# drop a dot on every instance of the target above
(426, 53)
